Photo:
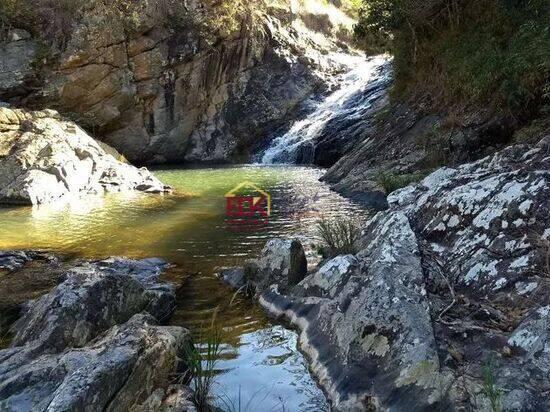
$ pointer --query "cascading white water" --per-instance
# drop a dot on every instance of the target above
(350, 101)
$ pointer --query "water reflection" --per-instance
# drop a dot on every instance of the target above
(259, 358)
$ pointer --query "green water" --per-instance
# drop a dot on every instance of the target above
(259, 364)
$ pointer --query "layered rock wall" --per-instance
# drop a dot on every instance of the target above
(170, 85)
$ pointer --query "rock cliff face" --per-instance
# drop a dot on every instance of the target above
(447, 303)
(44, 158)
(167, 86)
(405, 140)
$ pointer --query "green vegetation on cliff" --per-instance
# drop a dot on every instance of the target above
(54, 20)
(464, 51)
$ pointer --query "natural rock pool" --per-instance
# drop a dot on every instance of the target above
(260, 368)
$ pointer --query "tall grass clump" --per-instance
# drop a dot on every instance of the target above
(339, 236)
(201, 364)
(490, 390)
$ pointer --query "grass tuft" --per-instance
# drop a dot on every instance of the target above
(201, 363)
(390, 182)
(490, 390)
(339, 236)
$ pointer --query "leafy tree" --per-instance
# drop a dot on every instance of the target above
(495, 51)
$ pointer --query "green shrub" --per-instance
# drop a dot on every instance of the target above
(339, 236)
(471, 51)
(391, 182)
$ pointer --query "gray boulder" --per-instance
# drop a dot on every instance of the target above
(13, 260)
(118, 370)
(486, 221)
(94, 297)
(175, 398)
(93, 342)
(446, 304)
(44, 158)
(374, 328)
(282, 261)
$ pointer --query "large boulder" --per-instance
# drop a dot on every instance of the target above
(486, 222)
(282, 261)
(403, 141)
(446, 304)
(371, 329)
(44, 158)
(117, 371)
(94, 341)
(94, 297)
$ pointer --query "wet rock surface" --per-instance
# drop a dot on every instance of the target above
(446, 305)
(94, 342)
(17, 54)
(282, 262)
(335, 124)
(406, 140)
(44, 158)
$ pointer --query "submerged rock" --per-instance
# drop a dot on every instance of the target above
(233, 276)
(93, 342)
(44, 158)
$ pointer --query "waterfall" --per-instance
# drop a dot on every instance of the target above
(336, 117)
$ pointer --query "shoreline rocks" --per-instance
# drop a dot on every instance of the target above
(94, 342)
(44, 158)
(446, 305)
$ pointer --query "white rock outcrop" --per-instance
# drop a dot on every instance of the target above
(44, 158)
